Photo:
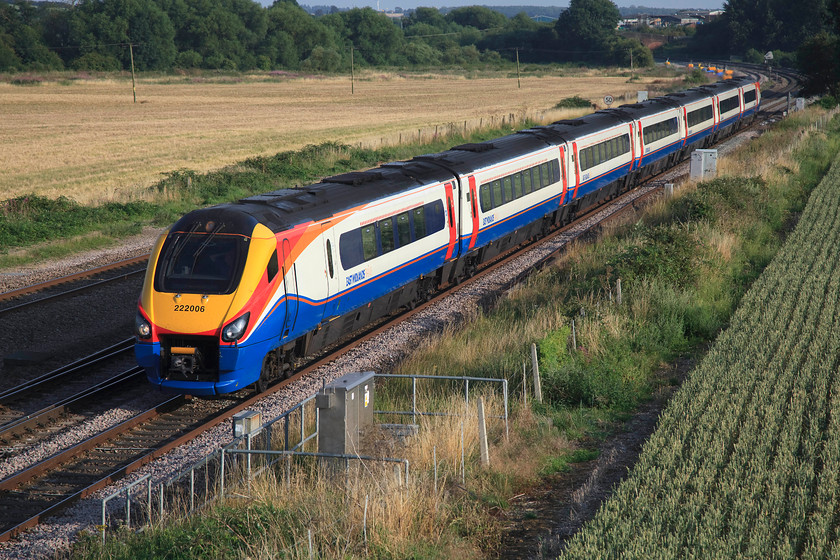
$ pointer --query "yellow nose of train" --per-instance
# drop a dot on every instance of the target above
(205, 289)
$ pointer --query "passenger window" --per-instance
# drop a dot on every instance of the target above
(497, 193)
(508, 189)
(329, 259)
(419, 218)
(517, 185)
(486, 203)
(403, 229)
(386, 234)
(369, 242)
(273, 267)
(544, 173)
(526, 181)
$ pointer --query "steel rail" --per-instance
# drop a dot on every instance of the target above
(37, 383)
(26, 290)
(42, 417)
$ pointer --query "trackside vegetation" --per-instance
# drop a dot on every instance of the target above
(745, 461)
(745, 458)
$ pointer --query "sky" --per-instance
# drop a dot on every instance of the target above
(407, 4)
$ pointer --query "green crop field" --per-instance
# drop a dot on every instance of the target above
(745, 462)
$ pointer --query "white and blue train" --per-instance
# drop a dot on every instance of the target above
(236, 293)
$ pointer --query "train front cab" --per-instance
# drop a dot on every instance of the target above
(207, 282)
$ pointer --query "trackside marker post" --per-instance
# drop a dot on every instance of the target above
(535, 366)
(482, 435)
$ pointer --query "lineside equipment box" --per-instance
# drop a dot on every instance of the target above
(345, 409)
(703, 164)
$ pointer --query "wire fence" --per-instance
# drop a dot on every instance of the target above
(275, 446)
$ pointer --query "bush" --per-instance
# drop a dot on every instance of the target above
(574, 103)
(188, 59)
(97, 62)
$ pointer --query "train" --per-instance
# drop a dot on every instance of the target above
(236, 294)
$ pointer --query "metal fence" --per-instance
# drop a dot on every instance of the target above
(280, 439)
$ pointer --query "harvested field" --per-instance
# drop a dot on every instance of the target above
(87, 140)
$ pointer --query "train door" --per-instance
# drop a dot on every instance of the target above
(330, 271)
(563, 177)
(576, 164)
(290, 285)
(450, 223)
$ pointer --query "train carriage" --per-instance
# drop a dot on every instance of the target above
(235, 294)
(698, 118)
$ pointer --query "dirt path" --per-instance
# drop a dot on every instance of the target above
(543, 520)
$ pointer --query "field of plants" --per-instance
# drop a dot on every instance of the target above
(83, 137)
(745, 462)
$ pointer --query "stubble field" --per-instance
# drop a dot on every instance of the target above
(87, 140)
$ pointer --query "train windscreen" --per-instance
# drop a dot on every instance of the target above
(201, 263)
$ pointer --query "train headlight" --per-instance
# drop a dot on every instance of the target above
(234, 331)
(142, 328)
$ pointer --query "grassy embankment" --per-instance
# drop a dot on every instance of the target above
(744, 462)
(685, 266)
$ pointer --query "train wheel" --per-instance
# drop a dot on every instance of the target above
(271, 370)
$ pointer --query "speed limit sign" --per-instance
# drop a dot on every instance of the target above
(608, 99)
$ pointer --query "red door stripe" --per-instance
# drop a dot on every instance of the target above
(474, 203)
(453, 235)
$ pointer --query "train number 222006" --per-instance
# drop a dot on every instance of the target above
(193, 308)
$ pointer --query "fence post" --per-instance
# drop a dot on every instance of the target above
(482, 435)
(535, 365)
(574, 338)
(618, 291)
(524, 386)
(222, 477)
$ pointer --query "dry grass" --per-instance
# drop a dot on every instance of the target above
(374, 507)
(85, 139)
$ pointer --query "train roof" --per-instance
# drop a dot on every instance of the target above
(284, 208)
(466, 158)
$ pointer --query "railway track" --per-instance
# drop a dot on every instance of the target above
(71, 285)
(46, 487)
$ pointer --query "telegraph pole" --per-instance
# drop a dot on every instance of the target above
(133, 86)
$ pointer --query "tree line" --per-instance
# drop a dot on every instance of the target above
(803, 34)
(243, 35)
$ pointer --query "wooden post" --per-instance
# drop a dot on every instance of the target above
(133, 85)
(518, 76)
(352, 73)
(535, 366)
(482, 435)
(574, 338)
(618, 291)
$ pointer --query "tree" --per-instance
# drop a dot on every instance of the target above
(292, 36)
(21, 40)
(374, 35)
(478, 17)
(588, 26)
(107, 27)
(819, 59)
